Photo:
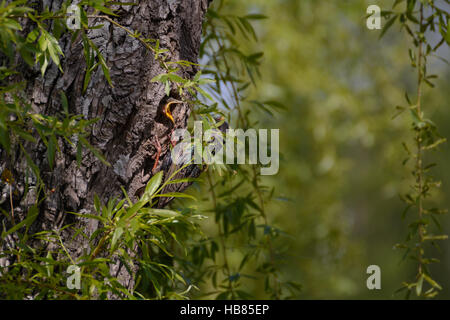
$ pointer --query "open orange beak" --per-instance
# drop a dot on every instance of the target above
(167, 110)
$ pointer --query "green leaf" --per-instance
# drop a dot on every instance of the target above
(160, 78)
(176, 78)
(11, 24)
(419, 285)
(94, 151)
(397, 2)
(104, 66)
(89, 216)
(64, 102)
(255, 16)
(103, 9)
(52, 47)
(167, 88)
(33, 35)
(116, 236)
(435, 144)
(24, 135)
(32, 214)
(439, 237)
(153, 184)
(447, 36)
(43, 61)
(388, 25)
(51, 150)
(432, 282)
(175, 195)
(97, 204)
(204, 93)
(164, 213)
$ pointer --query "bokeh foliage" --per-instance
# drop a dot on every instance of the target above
(341, 172)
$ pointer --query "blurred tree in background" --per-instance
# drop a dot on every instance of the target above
(341, 173)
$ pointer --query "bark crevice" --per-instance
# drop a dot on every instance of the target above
(129, 114)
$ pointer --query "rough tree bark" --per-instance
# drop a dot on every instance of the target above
(130, 120)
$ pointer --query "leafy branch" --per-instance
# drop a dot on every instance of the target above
(426, 18)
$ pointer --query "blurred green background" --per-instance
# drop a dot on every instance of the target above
(341, 169)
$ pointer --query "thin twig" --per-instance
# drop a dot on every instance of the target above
(12, 206)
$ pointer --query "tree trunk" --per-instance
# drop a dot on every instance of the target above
(130, 121)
